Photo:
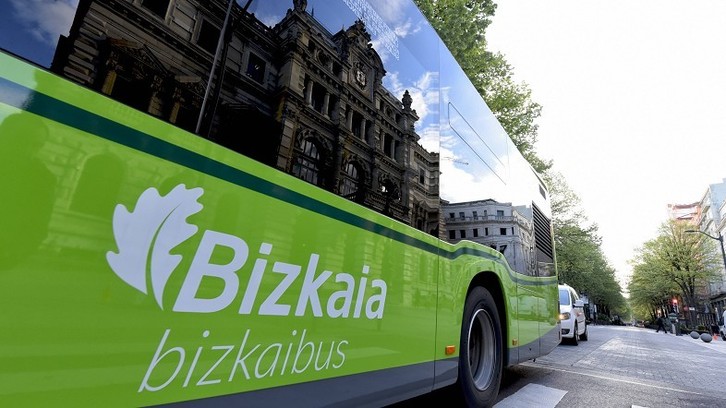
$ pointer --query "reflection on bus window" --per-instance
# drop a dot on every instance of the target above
(316, 97)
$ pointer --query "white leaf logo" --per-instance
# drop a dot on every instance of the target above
(146, 235)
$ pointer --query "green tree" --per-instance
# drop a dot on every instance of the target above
(648, 287)
(674, 260)
(580, 260)
(462, 26)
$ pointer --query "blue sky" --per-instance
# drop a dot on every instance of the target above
(28, 27)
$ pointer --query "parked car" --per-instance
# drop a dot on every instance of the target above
(572, 315)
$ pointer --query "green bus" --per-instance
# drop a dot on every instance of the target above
(258, 203)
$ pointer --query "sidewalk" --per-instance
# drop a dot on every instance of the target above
(717, 344)
(665, 359)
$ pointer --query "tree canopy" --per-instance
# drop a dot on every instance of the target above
(674, 263)
(580, 260)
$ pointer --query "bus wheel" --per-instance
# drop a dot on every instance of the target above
(481, 351)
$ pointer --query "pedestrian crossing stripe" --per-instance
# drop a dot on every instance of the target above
(533, 395)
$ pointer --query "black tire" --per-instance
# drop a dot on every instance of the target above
(583, 336)
(575, 336)
(481, 351)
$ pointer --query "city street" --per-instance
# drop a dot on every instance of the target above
(618, 367)
(622, 367)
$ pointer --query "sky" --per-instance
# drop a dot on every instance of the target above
(633, 97)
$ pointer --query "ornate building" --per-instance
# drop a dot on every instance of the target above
(292, 95)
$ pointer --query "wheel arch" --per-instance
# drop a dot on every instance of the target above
(491, 282)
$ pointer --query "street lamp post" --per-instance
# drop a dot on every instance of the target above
(719, 239)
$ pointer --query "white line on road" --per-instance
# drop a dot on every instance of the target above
(613, 379)
(533, 395)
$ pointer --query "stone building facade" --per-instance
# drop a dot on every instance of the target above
(711, 221)
(291, 95)
(506, 228)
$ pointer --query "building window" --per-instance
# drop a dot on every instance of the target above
(388, 145)
(390, 190)
(208, 37)
(421, 176)
(502, 231)
(318, 98)
(130, 87)
(186, 117)
(476, 232)
(473, 214)
(486, 231)
(461, 214)
(307, 163)
(256, 68)
(500, 213)
(463, 233)
(349, 183)
(451, 215)
(452, 234)
(158, 7)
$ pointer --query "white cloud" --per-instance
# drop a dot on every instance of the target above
(429, 137)
(424, 95)
(46, 20)
(393, 14)
(391, 11)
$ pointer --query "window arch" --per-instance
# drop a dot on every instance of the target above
(350, 183)
(390, 190)
(308, 162)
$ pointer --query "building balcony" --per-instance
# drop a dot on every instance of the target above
(480, 218)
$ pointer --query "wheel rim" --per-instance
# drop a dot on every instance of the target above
(481, 349)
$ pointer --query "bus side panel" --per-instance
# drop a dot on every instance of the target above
(143, 265)
(464, 266)
(550, 329)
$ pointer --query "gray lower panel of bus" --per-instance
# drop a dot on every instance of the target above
(538, 348)
(373, 389)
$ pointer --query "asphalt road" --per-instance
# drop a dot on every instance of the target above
(617, 367)
(626, 367)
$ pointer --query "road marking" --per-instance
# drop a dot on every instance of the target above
(533, 395)
(613, 379)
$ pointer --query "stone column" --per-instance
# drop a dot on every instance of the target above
(309, 92)
(326, 103)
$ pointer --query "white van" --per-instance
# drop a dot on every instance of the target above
(572, 315)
